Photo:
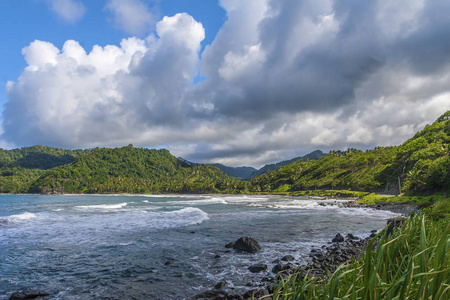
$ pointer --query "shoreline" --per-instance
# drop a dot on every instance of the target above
(324, 260)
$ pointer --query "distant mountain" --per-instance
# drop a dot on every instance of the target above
(237, 172)
(312, 156)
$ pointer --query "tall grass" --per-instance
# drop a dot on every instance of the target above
(412, 263)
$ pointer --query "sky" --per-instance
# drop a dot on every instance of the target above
(229, 81)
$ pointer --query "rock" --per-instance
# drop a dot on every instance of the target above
(212, 295)
(167, 263)
(247, 244)
(258, 268)
(229, 245)
(257, 294)
(28, 294)
(288, 258)
(217, 256)
(221, 285)
(351, 237)
(280, 267)
(338, 238)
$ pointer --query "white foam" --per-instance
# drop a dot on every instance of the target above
(103, 206)
(190, 202)
(189, 215)
(301, 204)
(20, 217)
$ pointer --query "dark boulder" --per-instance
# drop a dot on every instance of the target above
(280, 267)
(221, 285)
(258, 268)
(257, 294)
(229, 245)
(338, 238)
(247, 244)
(288, 258)
(212, 295)
(350, 236)
(28, 294)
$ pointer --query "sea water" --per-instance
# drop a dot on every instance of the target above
(158, 247)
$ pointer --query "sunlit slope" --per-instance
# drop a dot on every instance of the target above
(421, 164)
(133, 170)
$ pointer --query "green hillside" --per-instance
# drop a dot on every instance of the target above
(420, 165)
(134, 170)
(19, 168)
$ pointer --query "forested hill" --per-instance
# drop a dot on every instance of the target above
(421, 164)
(133, 170)
(20, 167)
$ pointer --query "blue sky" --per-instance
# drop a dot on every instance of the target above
(236, 82)
(24, 21)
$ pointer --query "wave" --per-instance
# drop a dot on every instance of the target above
(18, 218)
(188, 216)
(103, 206)
(301, 204)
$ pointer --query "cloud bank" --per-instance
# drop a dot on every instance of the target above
(282, 78)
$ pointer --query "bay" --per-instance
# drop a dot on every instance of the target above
(158, 246)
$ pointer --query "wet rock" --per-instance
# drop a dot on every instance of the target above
(229, 245)
(280, 267)
(247, 244)
(221, 285)
(28, 294)
(338, 238)
(258, 268)
(257, 294)
(212, 295)
(350, 236)
(288, 258)
(217, 256)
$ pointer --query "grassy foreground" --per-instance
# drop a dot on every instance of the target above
(412, 263)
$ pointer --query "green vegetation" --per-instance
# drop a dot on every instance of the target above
(420, 165)
(413, 263)
(134, 170)
(19, 168)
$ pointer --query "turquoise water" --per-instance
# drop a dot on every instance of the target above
(118, 247)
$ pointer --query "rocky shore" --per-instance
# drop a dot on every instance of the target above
(324, 260)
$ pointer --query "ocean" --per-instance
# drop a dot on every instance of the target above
(159, 246)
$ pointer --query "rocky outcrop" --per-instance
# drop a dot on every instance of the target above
(28, 294)
(338, 238)
(258, 268)
(247, 244)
